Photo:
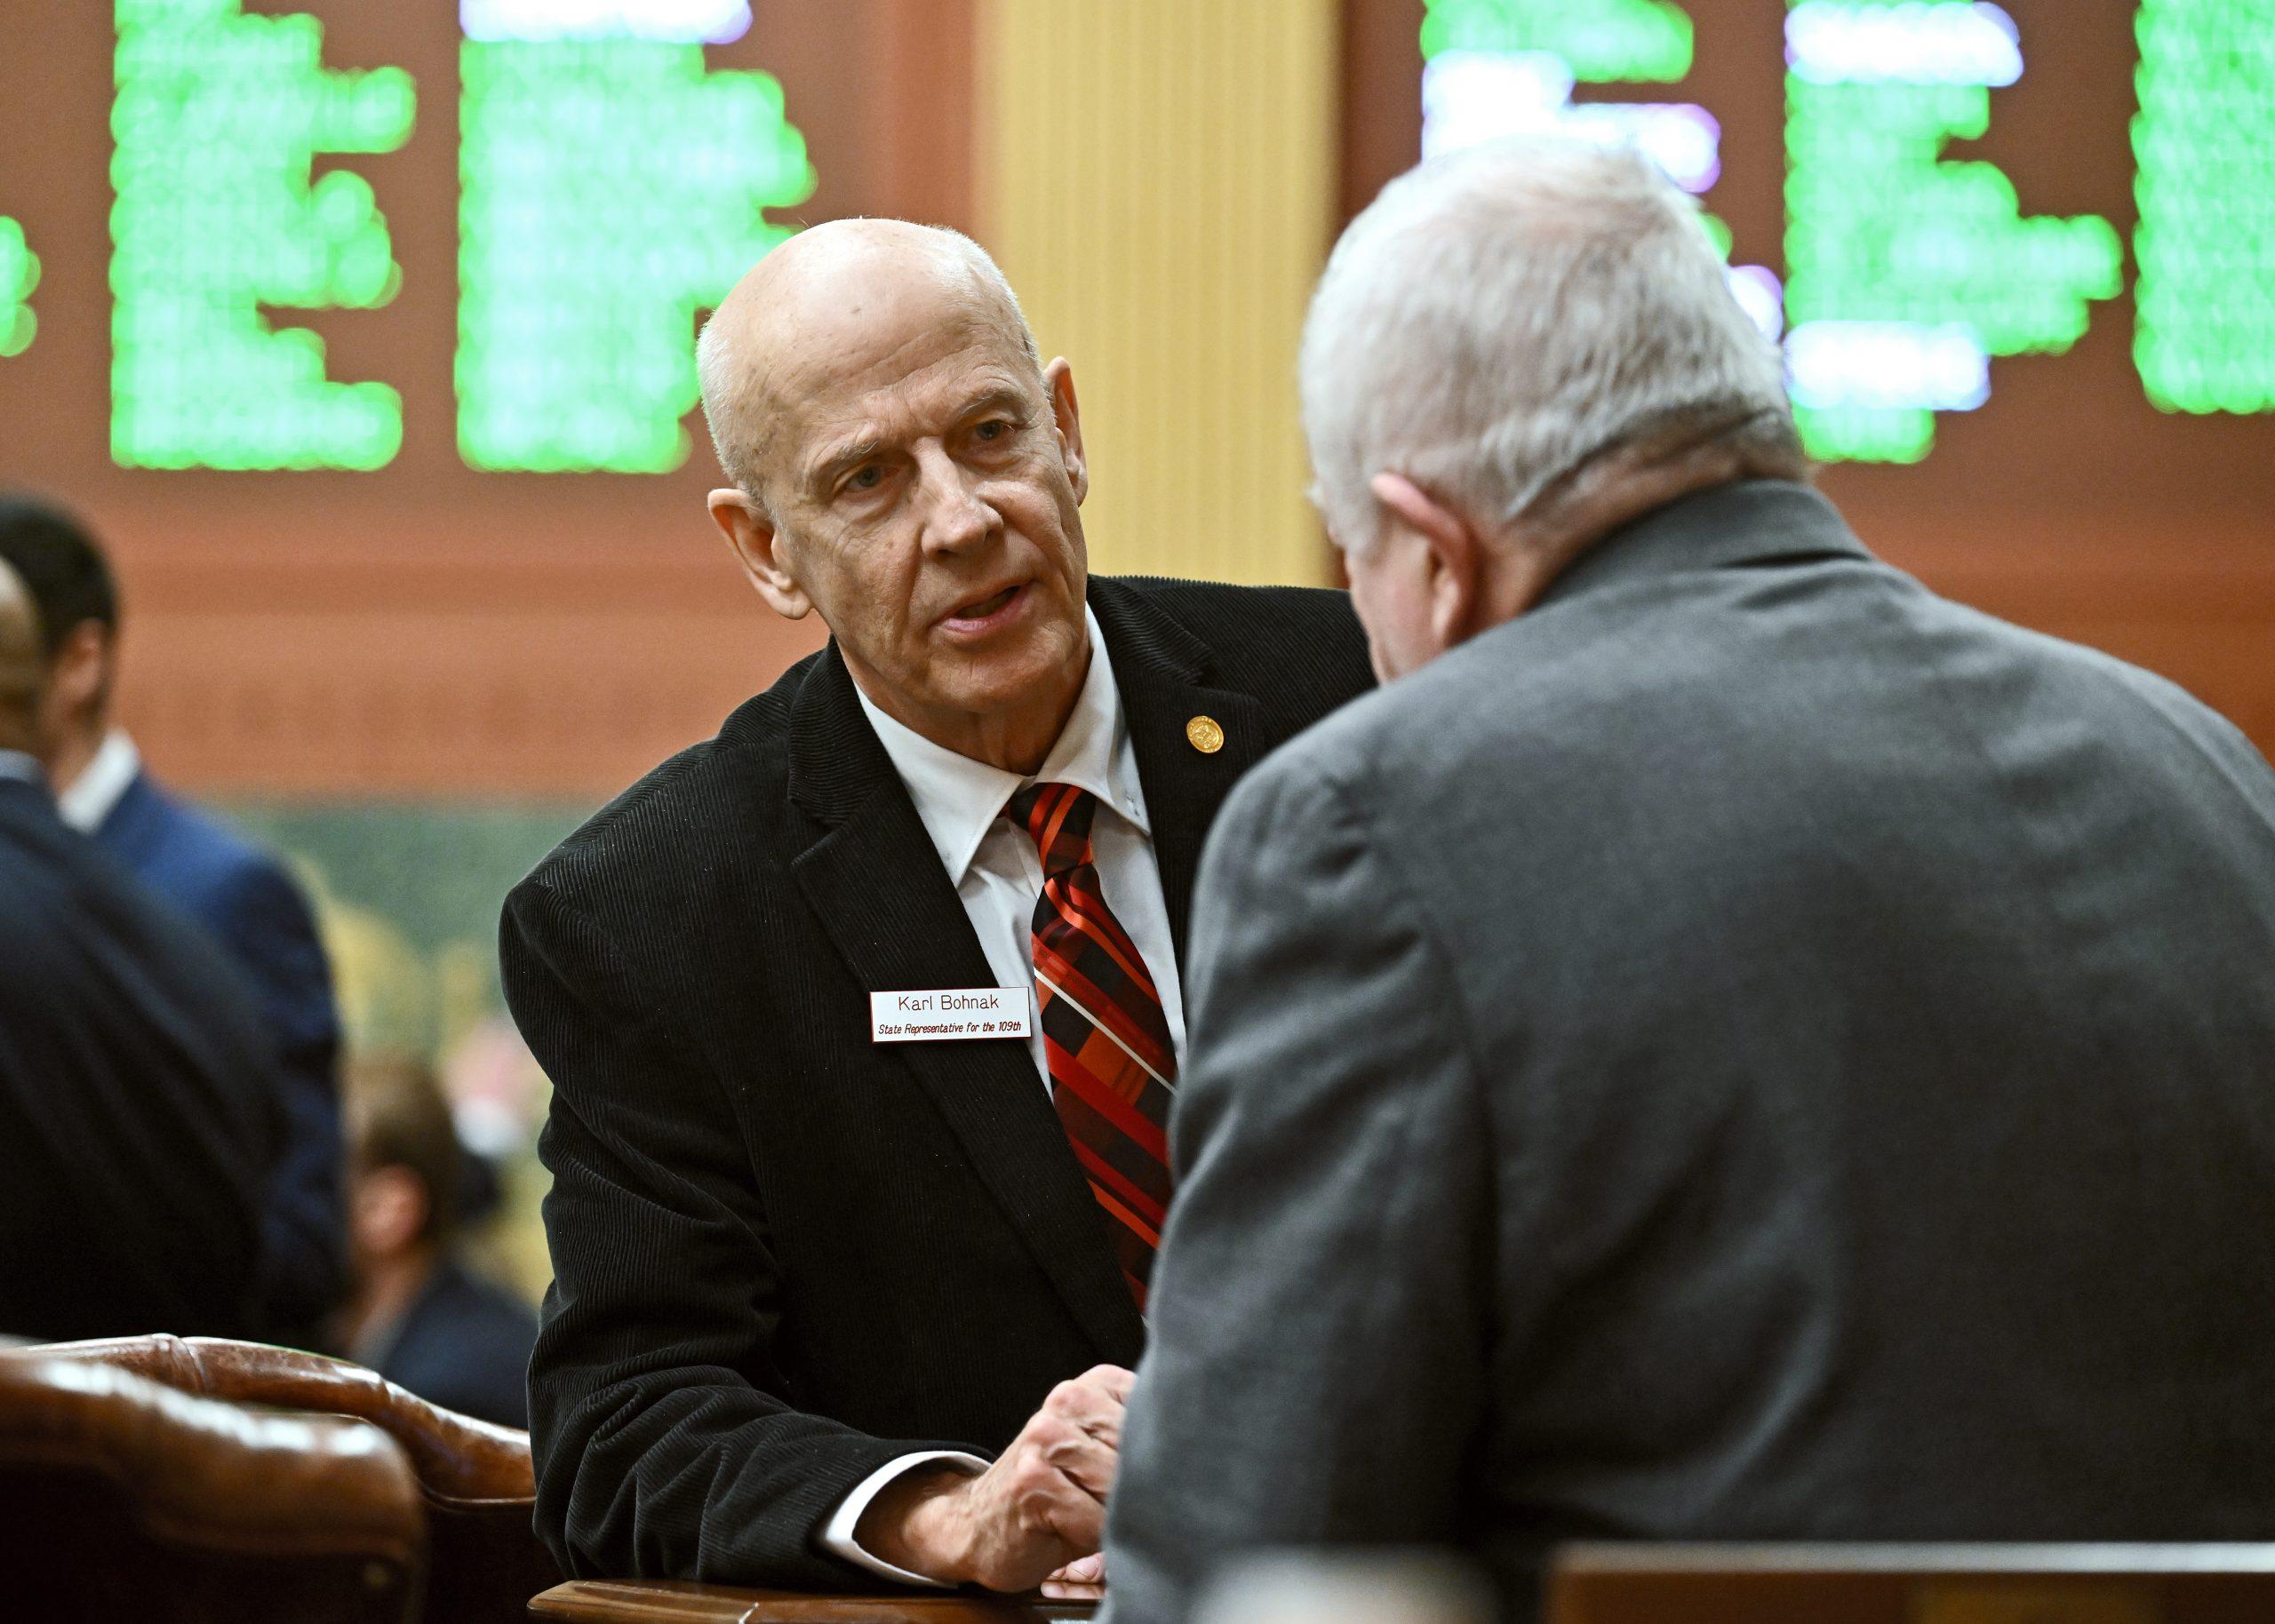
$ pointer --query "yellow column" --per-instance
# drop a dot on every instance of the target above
(1157, 178)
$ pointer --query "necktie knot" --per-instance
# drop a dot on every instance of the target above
(1057, 817)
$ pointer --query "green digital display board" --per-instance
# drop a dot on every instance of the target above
(220, 219)
(609, 189)
(1907, 267)
(1905, 270)
(447, 243)
(1500, 67)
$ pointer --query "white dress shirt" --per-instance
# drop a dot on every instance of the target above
(998, 876)
(88, 799)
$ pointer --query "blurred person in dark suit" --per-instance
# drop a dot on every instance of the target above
(416, 1312)
(830, 1309)
(1726, 1045)
(240, 894)
(139, 1119)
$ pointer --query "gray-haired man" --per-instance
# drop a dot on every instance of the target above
(1729, 1045)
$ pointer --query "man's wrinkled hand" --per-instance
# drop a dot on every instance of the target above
(1039, 1509)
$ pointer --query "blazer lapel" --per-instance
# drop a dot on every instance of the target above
(876, 885)
(1161, 669)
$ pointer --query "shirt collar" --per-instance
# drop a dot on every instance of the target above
(959, 799)
(16, 764)
(90, 798)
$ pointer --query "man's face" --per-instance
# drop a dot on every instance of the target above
(926, 500)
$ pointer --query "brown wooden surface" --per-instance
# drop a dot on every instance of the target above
(1381, 99)
(1960, 1584)
(593, 1601)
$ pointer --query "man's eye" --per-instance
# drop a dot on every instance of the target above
(867, 479)
(994, 429)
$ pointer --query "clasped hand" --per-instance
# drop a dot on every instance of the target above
(1039, 1507)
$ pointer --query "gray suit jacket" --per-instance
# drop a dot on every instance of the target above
(1748, 1049)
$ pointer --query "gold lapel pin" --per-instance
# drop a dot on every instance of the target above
(1204, 735)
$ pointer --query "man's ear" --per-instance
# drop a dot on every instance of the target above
(1457, 556)
(80, 673)
(752, 536)
(1058, 378)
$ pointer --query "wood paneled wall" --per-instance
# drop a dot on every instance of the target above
(1158, 181)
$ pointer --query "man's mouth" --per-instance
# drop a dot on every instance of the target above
(983, 614)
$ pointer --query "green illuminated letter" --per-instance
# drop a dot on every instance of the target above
(2206, 142)
(217, 116)
(18, 275)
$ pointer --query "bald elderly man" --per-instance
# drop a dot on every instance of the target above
(864, 1018)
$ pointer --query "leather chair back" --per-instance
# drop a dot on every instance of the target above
(123, 1499)
(474, 1478)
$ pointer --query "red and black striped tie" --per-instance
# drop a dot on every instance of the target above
(1112, 1067)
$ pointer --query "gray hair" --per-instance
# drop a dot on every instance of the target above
(1499, 317)
(734, 417)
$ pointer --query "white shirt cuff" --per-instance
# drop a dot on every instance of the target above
(837, 1535)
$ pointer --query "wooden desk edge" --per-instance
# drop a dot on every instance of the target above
(1926, 1561)
(609, 1601)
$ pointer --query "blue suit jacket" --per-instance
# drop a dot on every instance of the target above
(246, 900)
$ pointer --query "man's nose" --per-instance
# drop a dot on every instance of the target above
(954, 516)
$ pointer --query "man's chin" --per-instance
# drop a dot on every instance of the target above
(1036, 670)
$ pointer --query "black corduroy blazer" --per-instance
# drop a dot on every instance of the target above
(784, 1255)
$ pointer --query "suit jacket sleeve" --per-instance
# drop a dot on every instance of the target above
(664, 1448)
(272, 936)
(1319, 1316)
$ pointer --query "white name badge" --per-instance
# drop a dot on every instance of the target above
(950, 1012)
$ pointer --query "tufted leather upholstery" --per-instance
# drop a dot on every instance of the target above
(474, 1479)
(122, 1497)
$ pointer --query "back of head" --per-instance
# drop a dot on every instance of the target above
(60, 564)
(1500, 318)
(398, 1117)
